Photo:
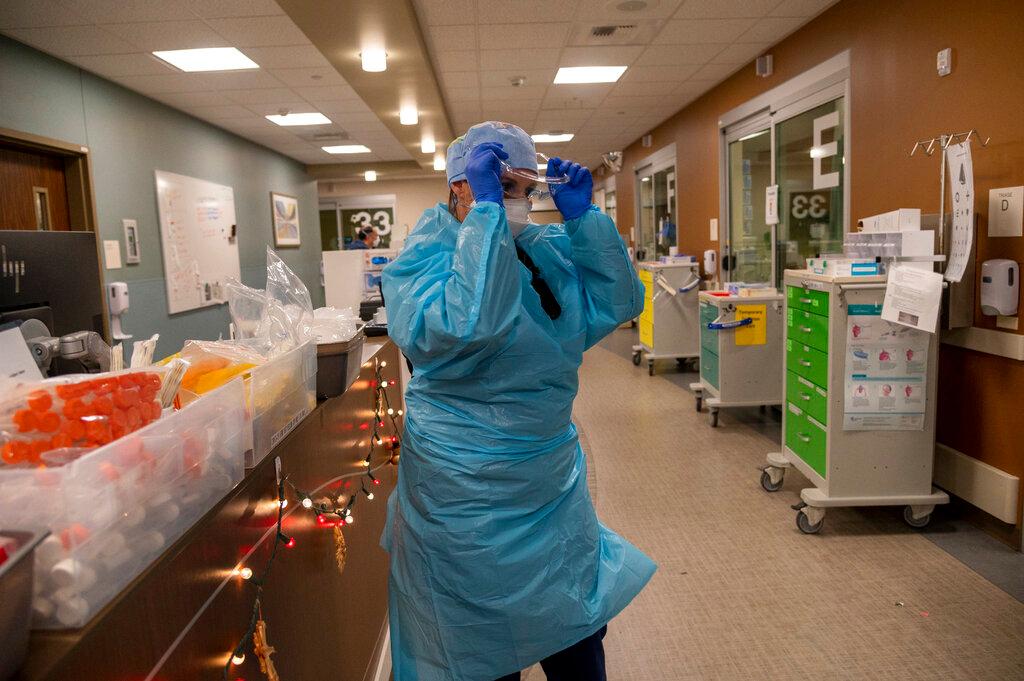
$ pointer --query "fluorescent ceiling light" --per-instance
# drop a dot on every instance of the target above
(752, 135)
(207, 59)
(588, 74)
(439, 163)
(408, 115)
(375, 60)
(552, 137)
(346, 149)
(370, 175)
(428, 145)
(312, 118)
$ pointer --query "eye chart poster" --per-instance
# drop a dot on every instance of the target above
(886, 372)
(961, 188)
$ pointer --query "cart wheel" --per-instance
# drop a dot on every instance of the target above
(650, 367)
(918, 523)
(700, 403)
(768, 485)
(714, 418)
(805, 526)
(636, 358)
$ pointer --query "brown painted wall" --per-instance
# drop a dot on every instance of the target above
(20, 171)
(896, 98)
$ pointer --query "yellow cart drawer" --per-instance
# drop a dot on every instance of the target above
(647, 278)
(808, 328)
(811, 398)
(646, 333)
(805, 438)
(807, 299)
(807, 362)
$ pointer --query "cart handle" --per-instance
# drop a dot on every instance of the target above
(690, 285)
(720, 326)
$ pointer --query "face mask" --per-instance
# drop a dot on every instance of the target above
(518, 213)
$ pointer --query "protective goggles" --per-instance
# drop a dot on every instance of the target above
(535, 185)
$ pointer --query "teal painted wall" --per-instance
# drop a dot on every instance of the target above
(130, 137)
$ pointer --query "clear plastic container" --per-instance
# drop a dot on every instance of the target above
(113, 511)
(280, 394)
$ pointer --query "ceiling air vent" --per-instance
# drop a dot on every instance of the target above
(609, 32)
(640, 32)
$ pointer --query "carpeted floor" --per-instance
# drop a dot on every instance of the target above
(740, 593)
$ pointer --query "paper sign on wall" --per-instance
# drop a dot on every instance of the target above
(961, 186)
(755, 333)
(771, 205)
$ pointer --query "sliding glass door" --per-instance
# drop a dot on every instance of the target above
(749, 174)
(656, 220)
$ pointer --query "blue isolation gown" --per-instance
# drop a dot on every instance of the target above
(497, 557)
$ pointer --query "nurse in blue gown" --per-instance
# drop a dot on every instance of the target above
(498, 560)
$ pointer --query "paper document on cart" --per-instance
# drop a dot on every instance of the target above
(885, 372)
(912, 298)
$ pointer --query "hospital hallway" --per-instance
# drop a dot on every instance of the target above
(740, 593)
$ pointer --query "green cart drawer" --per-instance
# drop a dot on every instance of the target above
(709, 366)
(805, 438)
(708, 338)
(808, 328)
(806, 361)
(807, 299)
(809, 397)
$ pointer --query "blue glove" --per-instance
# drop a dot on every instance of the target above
(483, 171)
(575, 197)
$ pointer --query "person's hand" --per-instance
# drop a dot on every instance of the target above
(483, 171)
(573, 198)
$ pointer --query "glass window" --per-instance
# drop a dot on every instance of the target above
(750, 239)
(809, 169)
(657, 194)
(609, 205)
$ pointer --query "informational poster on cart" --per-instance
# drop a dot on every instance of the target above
(200, 244)
(886, 372)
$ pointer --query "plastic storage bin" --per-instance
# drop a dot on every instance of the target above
(338, 366)
(116, 509)
(16, 600)
(280, 394)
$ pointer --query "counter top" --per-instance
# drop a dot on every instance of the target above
(181, 616)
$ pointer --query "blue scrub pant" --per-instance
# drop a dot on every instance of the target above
(583, 661)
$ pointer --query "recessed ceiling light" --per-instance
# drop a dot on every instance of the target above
(370, 176)
(439, 163)
(428, 145)
(408, 115)
(588, 74)
(552, 137)
(374, 60)
(346, 149)
(207, 59)
(312, 118)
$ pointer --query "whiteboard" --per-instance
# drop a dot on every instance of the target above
(200, 244)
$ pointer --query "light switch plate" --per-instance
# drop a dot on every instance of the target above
(1006, 211)
(714, 229)
(944, 62)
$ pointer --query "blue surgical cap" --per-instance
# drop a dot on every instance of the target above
(517, 144)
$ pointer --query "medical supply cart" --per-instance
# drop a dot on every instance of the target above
(740, 351)
(860, 396)
(668, 324)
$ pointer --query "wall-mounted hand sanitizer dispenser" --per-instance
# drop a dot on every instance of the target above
(1000, 287)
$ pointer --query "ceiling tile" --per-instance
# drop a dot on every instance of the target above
(336, 95)
(569, 119)
(124, 11)
(168, 35)
(524, 58)
(525, 11)
(241, 80)
(740, 53)
(445, 36)
(457, 60)
(447, 11)
(601, 11)
(701, 31)
(262, 95)
(663, 74)
(570, 97)
(674, 55)
(717, 9)
(500, 109)
(172, 82)
(259, 31)
(277, 106)
(534, 77)
(309, 77)
(69, 41)
(37, 14)
(218, 9)
(287, 57)
(716, 72)
(187, 99)
(623, 55)
(539, 34)
(771, 30)
(456, 95)
(614, 103)
(802, 8)
(643, 88)
(115, 65)
(220, 112)
(508, 93)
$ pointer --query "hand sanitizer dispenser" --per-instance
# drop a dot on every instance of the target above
(1000, 287)
(117, 303)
